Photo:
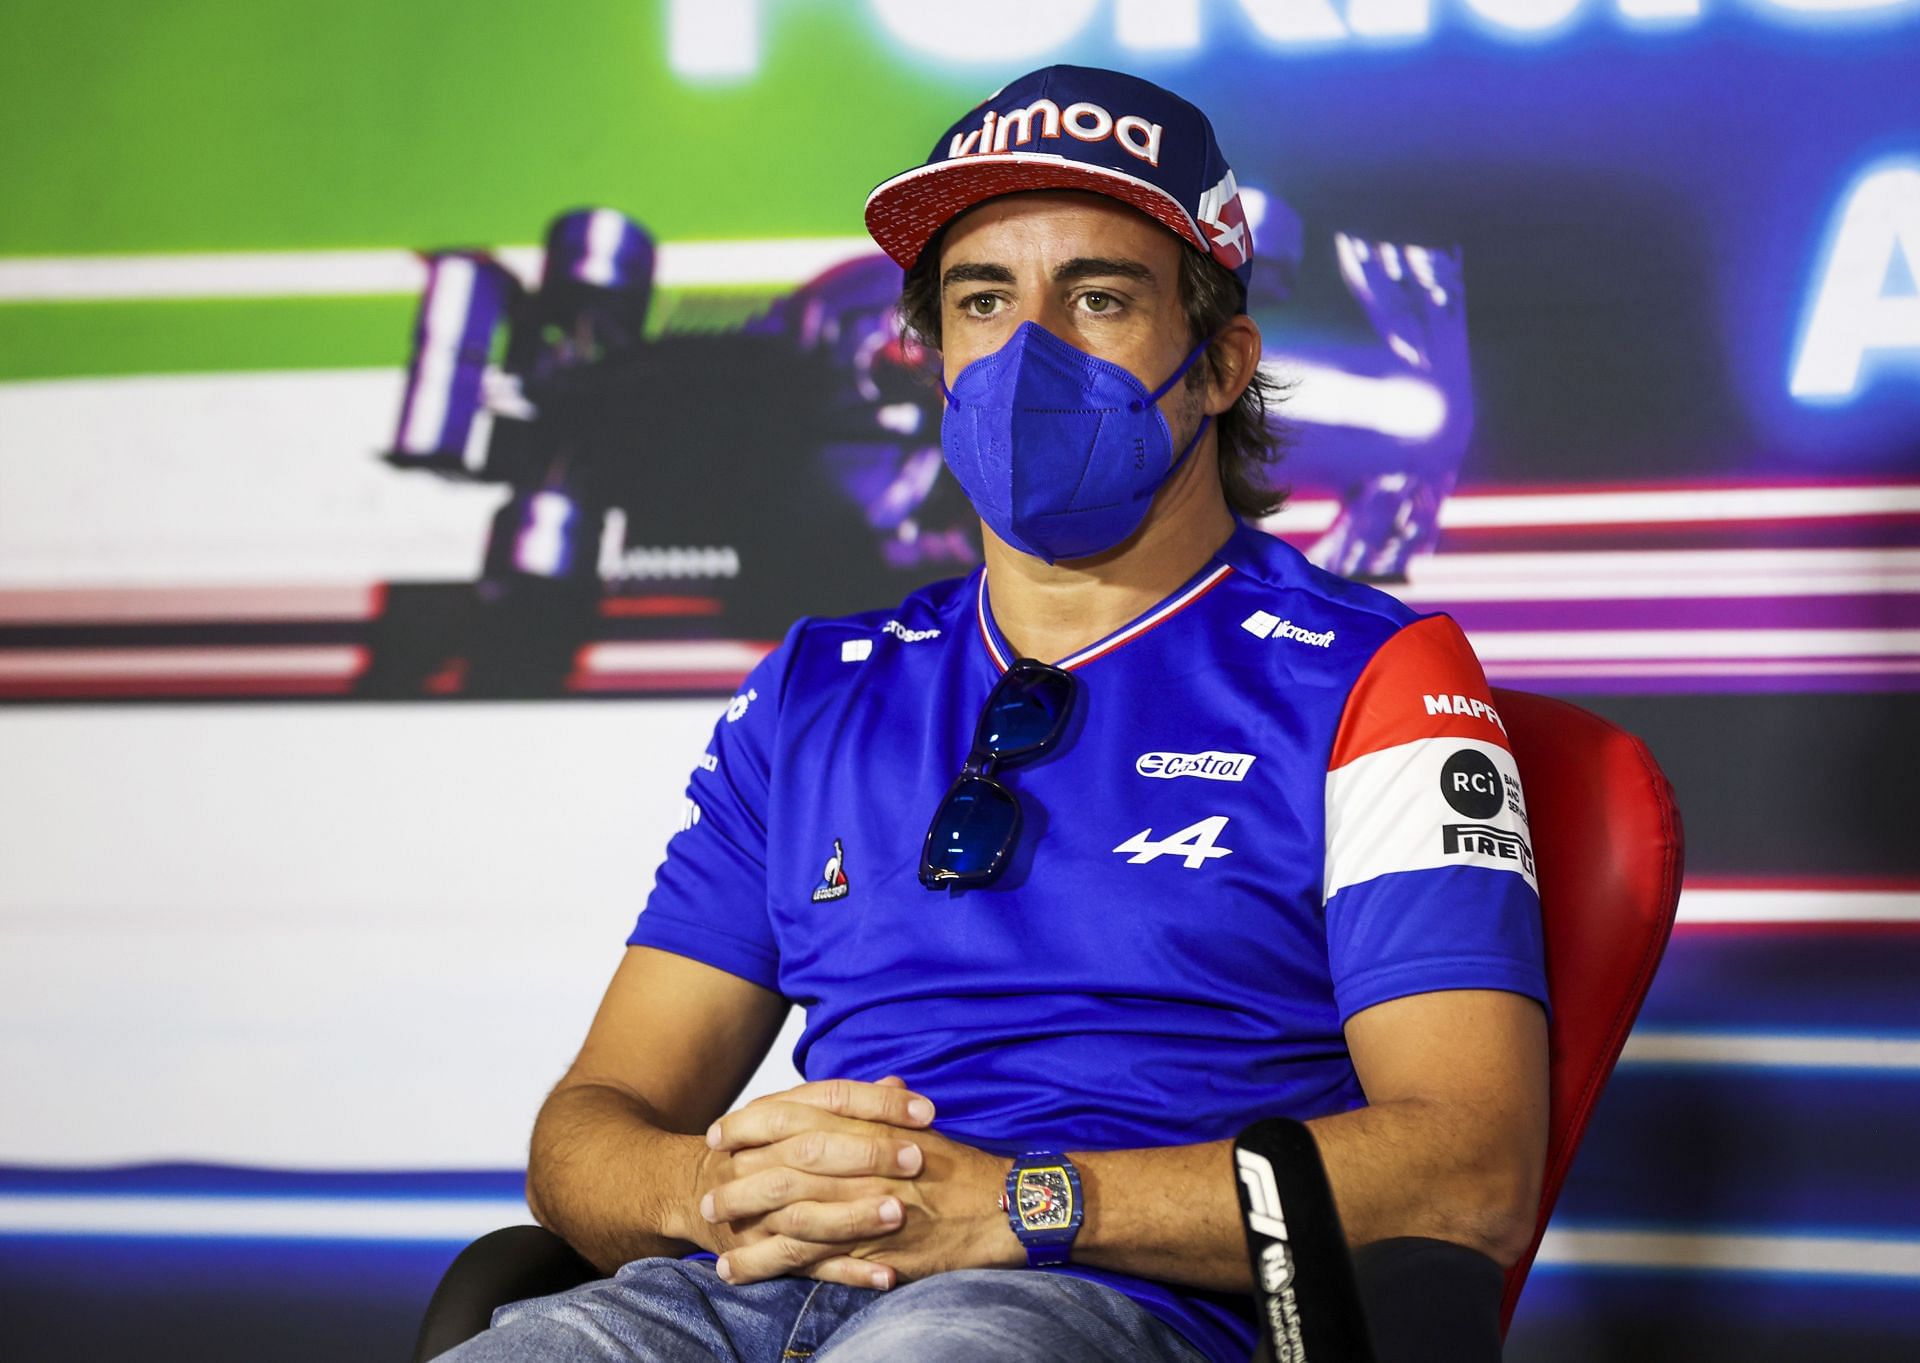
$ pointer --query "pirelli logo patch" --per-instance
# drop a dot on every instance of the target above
(1486, 840)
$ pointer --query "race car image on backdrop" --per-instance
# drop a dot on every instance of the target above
(705, 478)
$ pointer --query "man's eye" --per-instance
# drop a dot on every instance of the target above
(981, 305)
(1098, 302)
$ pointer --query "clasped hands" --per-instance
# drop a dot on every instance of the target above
(846, 1182)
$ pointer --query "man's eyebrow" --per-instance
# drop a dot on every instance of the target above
(970, 274)
(1096, 267)
(1080, 267)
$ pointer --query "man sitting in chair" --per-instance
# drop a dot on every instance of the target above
(1251, 844)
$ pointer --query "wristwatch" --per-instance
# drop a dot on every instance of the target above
(1044, 1206)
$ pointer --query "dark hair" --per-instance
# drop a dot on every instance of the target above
(1250, 441)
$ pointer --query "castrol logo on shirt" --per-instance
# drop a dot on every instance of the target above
(1210, 766)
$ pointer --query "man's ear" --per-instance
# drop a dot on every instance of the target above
(1234, 354)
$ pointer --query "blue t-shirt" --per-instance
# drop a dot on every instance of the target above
(1281, 798)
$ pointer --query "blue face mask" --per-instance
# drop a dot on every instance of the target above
(1058, 450)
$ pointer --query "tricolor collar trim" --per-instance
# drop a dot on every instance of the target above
(1165, 611)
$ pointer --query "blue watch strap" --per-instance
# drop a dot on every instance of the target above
(1048, 1256)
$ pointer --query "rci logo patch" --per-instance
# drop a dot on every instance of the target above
(1472, 785)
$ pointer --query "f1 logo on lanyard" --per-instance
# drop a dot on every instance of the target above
(1309, 1303)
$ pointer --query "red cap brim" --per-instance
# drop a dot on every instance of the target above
(904, 213)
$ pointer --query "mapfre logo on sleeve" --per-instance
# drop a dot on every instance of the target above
(1465, 707)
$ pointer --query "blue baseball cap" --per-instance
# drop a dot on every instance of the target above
(1074, 127)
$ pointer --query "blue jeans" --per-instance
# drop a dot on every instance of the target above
(681, 1311)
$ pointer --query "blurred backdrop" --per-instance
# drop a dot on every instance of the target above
(414, 420)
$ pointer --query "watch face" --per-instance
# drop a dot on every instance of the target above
(1044, 1198)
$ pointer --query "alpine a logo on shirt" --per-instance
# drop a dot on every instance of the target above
(1086, 122)
(1264, 626)
(833, 877)
(1195, 844)
(1209, 766)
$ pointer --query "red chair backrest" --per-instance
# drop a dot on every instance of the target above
(1608, 848)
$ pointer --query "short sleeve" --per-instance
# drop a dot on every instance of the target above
(1429, 880)
(709, 899)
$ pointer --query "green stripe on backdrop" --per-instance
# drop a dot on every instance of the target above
(200, 336)
(81, 340)
(133, 127)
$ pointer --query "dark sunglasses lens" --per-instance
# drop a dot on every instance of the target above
(970, 834)
(1027, 710)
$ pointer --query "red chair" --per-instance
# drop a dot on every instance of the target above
(1607, 840)
(1608, 847)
